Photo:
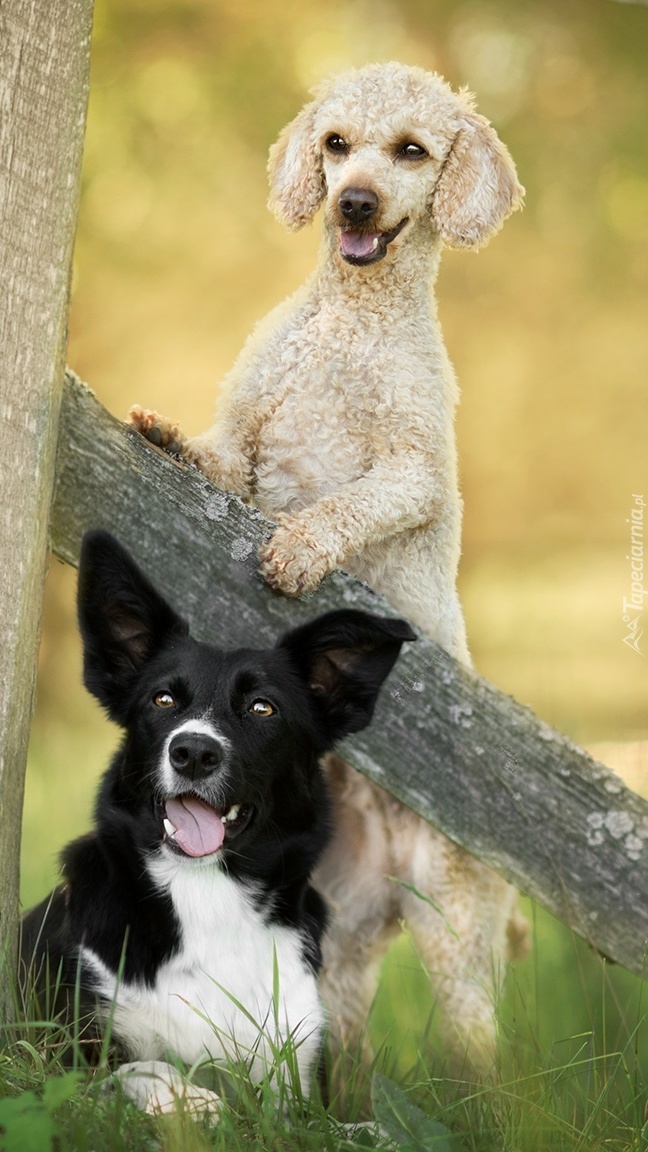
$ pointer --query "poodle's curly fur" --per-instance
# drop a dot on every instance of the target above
(338, 423)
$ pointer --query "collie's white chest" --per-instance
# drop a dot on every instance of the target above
(236, 989)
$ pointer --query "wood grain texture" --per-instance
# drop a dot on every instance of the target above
(44, 66)
(468, 758)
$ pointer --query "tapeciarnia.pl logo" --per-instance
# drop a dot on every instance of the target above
(633, 605)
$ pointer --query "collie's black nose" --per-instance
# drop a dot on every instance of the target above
(195, 754)
(357, 205)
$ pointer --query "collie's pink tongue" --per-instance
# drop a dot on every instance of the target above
(358, 243)
(199, 830)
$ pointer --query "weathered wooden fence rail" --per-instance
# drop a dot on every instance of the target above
(471, 760)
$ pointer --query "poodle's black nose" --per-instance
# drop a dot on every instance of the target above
(357, 205)
(195, 754)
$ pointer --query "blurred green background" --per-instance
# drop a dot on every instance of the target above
(177, 256)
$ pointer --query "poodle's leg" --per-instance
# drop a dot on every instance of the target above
(395, 496)
(353, 878)
(223, 455)
(348, 986)
(458, 912)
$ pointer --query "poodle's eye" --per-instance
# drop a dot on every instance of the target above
(164, 700)
(335, 143)
(411, 151)
(261, 708)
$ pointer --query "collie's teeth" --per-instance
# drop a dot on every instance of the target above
(375, 244)
(231, 814)
(169, 829)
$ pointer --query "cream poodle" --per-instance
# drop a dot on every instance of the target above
(337, 422)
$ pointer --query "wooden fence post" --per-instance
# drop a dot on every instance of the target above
(44, 69)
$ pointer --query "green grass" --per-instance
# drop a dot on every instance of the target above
(573, 1077)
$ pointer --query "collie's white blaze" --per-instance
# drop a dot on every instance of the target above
(194, 727)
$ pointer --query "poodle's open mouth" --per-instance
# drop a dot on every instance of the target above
(358, 246)
(195, 828)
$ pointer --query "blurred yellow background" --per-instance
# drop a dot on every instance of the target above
(177, 256)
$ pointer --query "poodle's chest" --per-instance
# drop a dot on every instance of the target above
(315, 441)
(335, 395)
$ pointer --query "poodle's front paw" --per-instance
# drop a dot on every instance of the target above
(157, 429)
(293, 562)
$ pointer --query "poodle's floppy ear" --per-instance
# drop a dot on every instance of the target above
(295, 171)
(478, 186)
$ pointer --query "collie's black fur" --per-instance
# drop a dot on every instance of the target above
(215, 789)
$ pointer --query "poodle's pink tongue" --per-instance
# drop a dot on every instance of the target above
(358, 243)
(199, 830)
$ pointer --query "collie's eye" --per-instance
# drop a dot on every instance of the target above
(164, 700)
(261, 708)
(412, 151)
(335, 143)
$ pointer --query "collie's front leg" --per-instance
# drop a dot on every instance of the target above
(159, 1089)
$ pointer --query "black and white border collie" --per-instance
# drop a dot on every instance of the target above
(186, 917)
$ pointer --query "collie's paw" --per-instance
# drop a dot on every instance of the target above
(292, 561)
(156, 429)
(159, 1089)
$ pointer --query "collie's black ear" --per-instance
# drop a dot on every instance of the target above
(345, 656)
(123, 620)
